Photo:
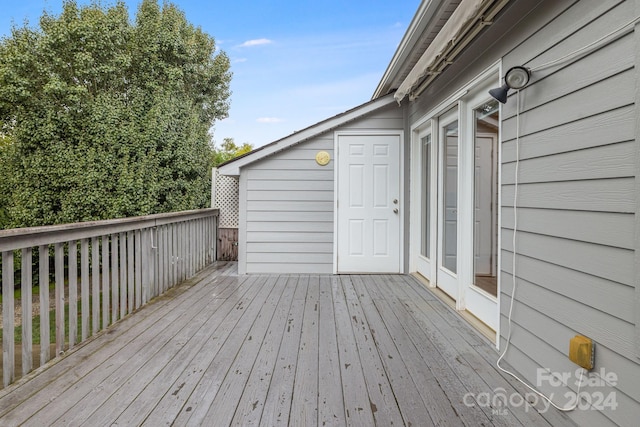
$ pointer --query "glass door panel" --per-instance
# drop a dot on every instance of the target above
(425, 246)
(447, 209)
(485, 224)
(481, 286)
(427, 192)
(450, 187)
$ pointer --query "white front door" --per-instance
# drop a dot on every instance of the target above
(368, 203)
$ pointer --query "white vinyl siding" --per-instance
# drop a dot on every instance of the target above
(287, 226)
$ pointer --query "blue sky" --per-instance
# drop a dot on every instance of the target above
(294, 62)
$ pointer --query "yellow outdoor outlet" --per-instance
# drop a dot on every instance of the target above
(581, 351)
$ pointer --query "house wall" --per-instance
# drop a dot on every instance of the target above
(287, 204)
(576, 265)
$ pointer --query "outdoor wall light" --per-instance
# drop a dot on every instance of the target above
(516, 78)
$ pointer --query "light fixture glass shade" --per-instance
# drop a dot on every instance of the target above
(517, 77)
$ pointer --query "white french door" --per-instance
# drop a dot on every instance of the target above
(437, 143)
(425, 186)
(455, 172)
(481, 287)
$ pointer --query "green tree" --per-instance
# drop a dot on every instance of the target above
(110, 118)
(5, 171)
(228, 150)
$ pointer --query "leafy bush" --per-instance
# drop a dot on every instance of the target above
(106, 118)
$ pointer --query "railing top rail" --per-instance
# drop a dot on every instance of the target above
(18, 238)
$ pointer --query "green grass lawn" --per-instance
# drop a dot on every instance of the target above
(35, 326)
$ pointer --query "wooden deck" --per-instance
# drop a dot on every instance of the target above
(273, 350)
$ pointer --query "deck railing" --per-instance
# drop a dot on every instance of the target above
(102, 271)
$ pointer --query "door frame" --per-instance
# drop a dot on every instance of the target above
(418, 262)
(403, 203)
(463, 99)
(473, 296)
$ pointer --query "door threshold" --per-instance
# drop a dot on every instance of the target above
(476, 323)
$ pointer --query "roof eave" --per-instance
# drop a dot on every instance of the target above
(232, 167)
(411, 37)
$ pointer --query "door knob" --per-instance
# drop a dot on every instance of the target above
(395, 210)
(395, 201)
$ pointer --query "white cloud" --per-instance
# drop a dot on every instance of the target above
(238, 60)
(269, 120)
(256, 42)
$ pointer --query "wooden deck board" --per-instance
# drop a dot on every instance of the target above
(251, 404)
(190, 345)
(460, 348)
(448, 381)
(412, 407)
(27, 397)
(436, 400)
(175, 397)
(131, 372)
(275, 350)
(382, 399)
(203, 395)
(330, 398)
(354, 386)
(224, 406)
(304, 405)
(277, 404)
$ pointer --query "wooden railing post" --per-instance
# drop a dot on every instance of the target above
(138, 273)
(84, 286)
(105, 281)
(27, 324)
(124, 268)
(95, 285)
(115, 276)
(73, 293)
(43, 282)
(126, 300)
(59, 292)
(8, 346)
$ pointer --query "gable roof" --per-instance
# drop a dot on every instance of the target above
(233, 166)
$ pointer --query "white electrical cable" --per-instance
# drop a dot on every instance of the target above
(587, 47)
(513, 275)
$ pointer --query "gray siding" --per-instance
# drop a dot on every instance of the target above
(287, 225)
(577, 200)
(577, 267)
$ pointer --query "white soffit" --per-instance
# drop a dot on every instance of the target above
(466, 11)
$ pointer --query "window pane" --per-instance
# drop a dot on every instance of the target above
(450, 214)
(485, 224)
(426, 197)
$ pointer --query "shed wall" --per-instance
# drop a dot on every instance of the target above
(287, 223)
(577, 207)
